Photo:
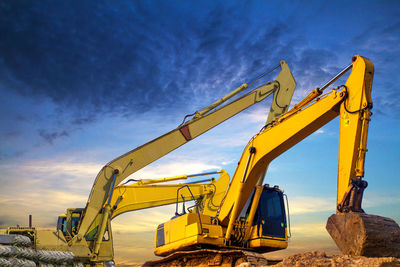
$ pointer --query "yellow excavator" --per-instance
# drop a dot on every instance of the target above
(86, 232)
(252, 217)
(150, 193)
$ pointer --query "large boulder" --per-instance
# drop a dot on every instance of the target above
(362, 234)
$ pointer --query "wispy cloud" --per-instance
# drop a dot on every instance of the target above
(44, 188)
(65, 166)
(306, 204)
(375, 199)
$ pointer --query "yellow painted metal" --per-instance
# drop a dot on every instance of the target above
(185, 231)
(50, 240)
(303, 103)
(352, 103)
(253, 209)
(106, 249)
(102, 228)
(141, 195)
(140, 157)
(366, 118)
(354, 126)
(281, 101)
(235, 212)
(210, 204)
(270, 243)
(265, 243)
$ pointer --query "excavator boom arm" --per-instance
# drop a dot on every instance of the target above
(351, 104)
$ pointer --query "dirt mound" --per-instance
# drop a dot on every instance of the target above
(320, 259)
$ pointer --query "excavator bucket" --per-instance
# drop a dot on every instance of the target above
(362, 234)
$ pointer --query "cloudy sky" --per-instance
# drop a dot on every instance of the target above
(83, 82)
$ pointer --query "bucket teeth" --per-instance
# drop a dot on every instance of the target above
(361, 234)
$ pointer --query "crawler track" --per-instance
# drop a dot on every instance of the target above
(209, 257)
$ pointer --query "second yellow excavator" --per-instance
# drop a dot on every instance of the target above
(252, 217)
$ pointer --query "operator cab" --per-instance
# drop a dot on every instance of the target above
(270, 228)
(68, 223)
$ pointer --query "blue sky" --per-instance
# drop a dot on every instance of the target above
(82, 82)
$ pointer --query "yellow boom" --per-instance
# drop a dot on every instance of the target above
(148, 193)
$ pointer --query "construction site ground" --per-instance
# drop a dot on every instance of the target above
(321, 259)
